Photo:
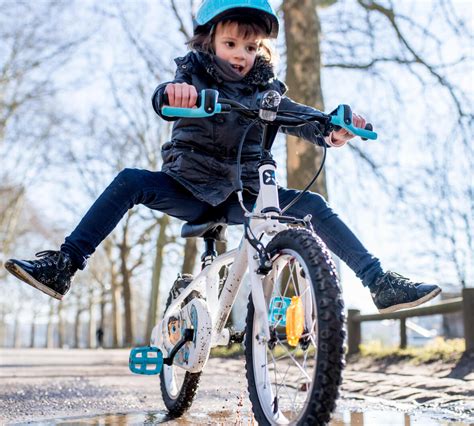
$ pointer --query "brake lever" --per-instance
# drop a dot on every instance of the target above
(342, 118)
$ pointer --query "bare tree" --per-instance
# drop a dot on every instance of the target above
(376, 50)
(303, 76)
(161, 242)
(38, 40)
(50, 326)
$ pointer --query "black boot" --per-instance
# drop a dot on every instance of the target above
(393, 292)
(52, 273)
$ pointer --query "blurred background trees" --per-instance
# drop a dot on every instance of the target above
(75, 86)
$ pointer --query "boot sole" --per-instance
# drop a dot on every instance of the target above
(418, 302)
(24, 276)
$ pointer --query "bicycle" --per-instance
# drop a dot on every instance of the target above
(294, 334)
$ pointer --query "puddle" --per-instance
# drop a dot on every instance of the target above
(389, 418)
(340, 418)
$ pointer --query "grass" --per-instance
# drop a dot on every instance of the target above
(232, 351)
(236, 350)
(439, 349)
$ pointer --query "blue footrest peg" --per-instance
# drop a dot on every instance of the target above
(146, 360)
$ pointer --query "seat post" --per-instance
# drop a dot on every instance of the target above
(210, 252)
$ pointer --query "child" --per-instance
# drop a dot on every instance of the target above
(230, 52)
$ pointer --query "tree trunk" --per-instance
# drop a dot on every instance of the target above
(3, 330)
(303, 76)
(155, 279)
(117, 337)
(50, 328)
(190, 253)
(17, 333)
(61, 326)
(127, 291)
(116, 321)
(77, 329)
(103, 302)
(127, 302)
(32, 334)
(92, 323)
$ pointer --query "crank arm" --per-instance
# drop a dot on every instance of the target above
(187, 337)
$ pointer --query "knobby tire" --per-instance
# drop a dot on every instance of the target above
(329, 362)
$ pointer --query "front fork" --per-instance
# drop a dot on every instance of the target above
(267, 203)
(258, 296)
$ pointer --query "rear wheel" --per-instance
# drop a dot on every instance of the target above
(178, 386)
(297, 383)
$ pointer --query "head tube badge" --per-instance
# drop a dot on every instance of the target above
(269, 177)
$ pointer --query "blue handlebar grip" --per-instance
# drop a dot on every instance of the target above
(201, 112)
(338, 120)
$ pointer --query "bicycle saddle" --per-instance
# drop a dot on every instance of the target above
(216, 230)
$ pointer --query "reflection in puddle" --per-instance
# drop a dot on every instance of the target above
(224, 417)
(389, 418)
(149, 418)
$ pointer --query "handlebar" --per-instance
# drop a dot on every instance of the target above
(209, 103)
(207, 106)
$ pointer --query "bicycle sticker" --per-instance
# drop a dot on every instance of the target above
(174, 330)
(269, 177)
(182, 357)
(194, 322)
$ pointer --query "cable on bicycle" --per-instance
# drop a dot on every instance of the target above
(318, 130)
(238, 184)
(263, 254)
(251, 238)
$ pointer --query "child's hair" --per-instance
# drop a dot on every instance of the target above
(247, 27)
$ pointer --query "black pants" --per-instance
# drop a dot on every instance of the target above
(159, 191)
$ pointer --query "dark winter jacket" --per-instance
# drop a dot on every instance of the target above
(202, 152)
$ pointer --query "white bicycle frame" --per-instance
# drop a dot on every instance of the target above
(207, 282)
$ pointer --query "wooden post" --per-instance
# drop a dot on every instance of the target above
(353, 331)
(403, 333)
(468, 317)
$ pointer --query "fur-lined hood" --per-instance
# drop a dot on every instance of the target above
(261, 73)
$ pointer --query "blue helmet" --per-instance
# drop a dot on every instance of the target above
(212, 11)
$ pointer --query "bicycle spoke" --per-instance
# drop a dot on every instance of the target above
(292, 387)
(286, 287)
(292, 390)
(283, 384)
(292, 268)
(300, 269)
(296, 363)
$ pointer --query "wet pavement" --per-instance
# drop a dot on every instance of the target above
(84, 386)
(350, 417)
(348, 414)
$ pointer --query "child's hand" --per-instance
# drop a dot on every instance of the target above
(181, 95)
(340, 137)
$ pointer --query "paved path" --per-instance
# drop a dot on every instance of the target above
(438, 386)
(45, 384)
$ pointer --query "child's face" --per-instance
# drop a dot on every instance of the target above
(240, 52)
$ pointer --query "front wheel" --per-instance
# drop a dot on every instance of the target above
(295, 380)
